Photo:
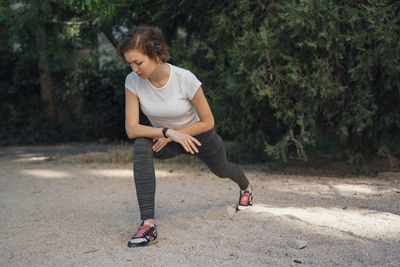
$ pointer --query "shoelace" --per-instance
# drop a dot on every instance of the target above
(142, 230)
(244, 197)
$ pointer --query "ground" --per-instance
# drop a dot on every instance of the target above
(54, 213)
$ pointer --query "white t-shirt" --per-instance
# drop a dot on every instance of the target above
(169, 106)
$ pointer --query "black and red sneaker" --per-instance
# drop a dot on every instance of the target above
(145, 235)
(245, 199)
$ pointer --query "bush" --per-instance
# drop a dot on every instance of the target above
(98, 93)
(21, 113)
(281, 74)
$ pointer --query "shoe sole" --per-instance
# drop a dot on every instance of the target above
(151, 242)
(240, 207)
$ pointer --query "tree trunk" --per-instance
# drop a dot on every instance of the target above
(46, 81)
(110, 36)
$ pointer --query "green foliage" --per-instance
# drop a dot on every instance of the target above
(28, 28)
(284, 78)
(99, 92)
(22, 119)
(282, 73)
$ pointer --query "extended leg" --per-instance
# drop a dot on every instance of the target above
(145, 180)
(212, 153)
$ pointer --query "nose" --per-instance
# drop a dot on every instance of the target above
(134, 68)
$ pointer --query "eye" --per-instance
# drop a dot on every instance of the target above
(133, 63)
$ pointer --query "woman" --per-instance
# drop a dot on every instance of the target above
(181, 123)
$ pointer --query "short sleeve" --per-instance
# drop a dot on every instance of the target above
(131, 83)
(191, 85)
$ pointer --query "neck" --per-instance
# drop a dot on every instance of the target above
(160, 76)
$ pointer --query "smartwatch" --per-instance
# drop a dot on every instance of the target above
(164, 131)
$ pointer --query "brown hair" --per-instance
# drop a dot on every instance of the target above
(147, 40)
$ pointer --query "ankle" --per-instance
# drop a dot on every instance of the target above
(151, 221)
(248, 188)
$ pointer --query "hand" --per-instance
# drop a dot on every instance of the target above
(187, 141)
(160, 143)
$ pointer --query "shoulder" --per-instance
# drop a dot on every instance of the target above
(181, 73)
(132, 77)
(132, 83)
(187, 81)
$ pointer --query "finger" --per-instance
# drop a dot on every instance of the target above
(184, 146)
(193, 146)
(161, 147)
(189, 148)
(155, 146)
(158, 147)
(196, 141)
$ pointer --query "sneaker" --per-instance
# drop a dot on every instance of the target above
(145, 235)
(245, 199)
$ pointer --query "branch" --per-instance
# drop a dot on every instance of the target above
(299, 146)
(75, 22)
(110, 36)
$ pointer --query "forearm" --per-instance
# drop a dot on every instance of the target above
(152, 132)
(196, 128)
(143, 131)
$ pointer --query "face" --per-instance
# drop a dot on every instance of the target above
(141, 63)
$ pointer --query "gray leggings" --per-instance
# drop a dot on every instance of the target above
(211, 152)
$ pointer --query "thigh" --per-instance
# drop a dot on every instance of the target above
(172, 149)
(212, 151)
(143, 145)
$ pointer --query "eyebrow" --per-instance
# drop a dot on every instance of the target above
(135, 61)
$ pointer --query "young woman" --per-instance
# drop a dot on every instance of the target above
(181, 123)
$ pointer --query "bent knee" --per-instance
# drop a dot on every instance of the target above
(142, 145)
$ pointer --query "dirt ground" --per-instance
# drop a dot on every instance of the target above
(65, 214)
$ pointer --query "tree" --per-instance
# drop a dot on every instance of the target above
(283, 75)
(45, 31)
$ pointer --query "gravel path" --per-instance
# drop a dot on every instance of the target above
(62, 214)
(24, 152)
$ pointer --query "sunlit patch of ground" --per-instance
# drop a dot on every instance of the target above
(56, 213)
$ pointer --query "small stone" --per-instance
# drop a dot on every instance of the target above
(90, 251)
(297, 261)
(345, 207)
(396, 190)
(230, 211)
(297, 243)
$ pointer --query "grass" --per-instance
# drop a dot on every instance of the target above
(318, 164)
(118, 154)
